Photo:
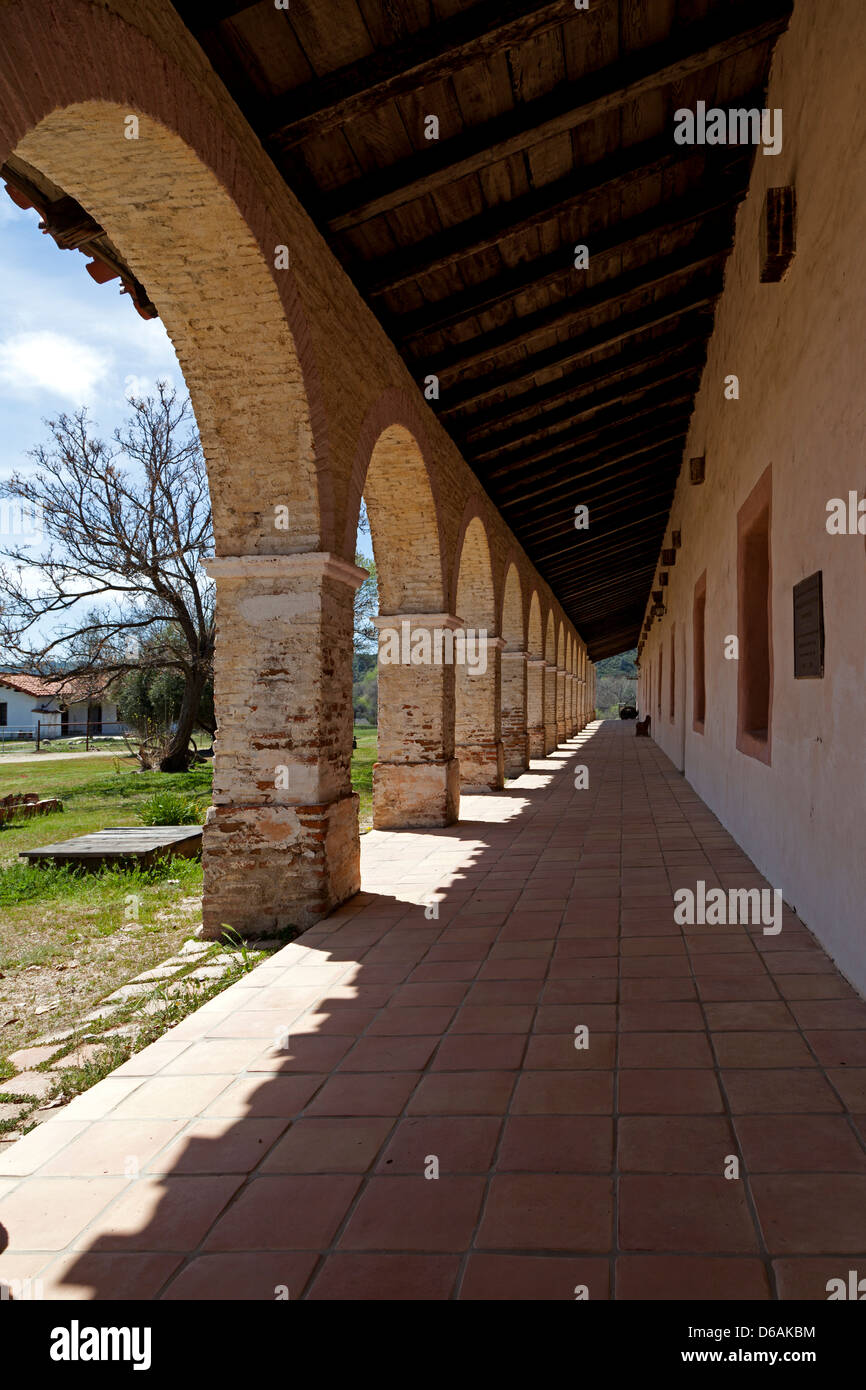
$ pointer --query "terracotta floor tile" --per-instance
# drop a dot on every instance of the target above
(778, 1091)
(170, 1097)
(404, 1022)
(665, 1050)
(579, 992)
(250, 1277)
(564, 1018)
(839, 1048)
(812, 1214)
(480, 1052)
(558, 1093)
(493, 1018)
(359, 1093)
(659, 1015)
(219, 1145)
(799, 1144)
(675, 1144)
(110, 1148)
(850, 1082)
(687, 1277)
(527, 1277)
(378, 1054)
(169, 1212)
(447, 993)
(303, 1053)
(415, 1214)
(48, 1213)
(386, 1277)
(809, 1278)
(551, 1051)
(463, 1093)
(755, 1048)
(737, 989)
(328, 1146)
(557, 1144)
(122, 1277)
(461, 1144)
(763, 1015)
(670, 1091)
(495, 992)
(674, 990)
(706, 1215)
(548, 1212)
(284, 1213)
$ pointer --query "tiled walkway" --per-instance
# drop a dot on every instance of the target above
(284, 1137)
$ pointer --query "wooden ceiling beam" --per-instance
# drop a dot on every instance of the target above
(689, 50)
(520, 332)
(450, 245)
(607, 461)
(698, 296)
(641, 483)
(621, 238)
(429, 55)
(570, 414)
(576, 387)
(507, 477)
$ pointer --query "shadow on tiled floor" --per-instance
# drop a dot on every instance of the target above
(282, 1140)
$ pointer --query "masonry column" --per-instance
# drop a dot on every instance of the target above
(561, 731)
(280, 846)
(515, 739)
(416, 780)
(478, 725)
(535, 668)
(549, 708)
(569, 704)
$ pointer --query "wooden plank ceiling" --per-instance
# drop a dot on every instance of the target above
(561, 386)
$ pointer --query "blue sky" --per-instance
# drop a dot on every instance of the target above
(65, 341)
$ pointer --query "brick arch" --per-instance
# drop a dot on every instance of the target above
(550, 639)
(560, 645)
(184, 211)
(534, 630)
(391, 471)
(474, 590)
(512, 627)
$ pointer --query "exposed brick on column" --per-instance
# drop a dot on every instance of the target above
(550, 698)
(561, 731)
(281, 841)
(515, 742)
(535, 677)
(416, 780)
(478, 736)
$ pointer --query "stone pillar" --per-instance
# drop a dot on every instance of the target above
(416, 780)
(280, 846)
(535, 672)
(550, 695)
(478, 724)
(561, 730)
(569, 705)
(515, 741)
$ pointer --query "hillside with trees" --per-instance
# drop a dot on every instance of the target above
(616, 683)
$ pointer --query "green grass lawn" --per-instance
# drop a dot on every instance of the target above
(363, 759)
(68, 938)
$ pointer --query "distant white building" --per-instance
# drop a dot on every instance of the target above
(53, 708)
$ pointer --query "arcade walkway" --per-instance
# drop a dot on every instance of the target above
(279, 1139)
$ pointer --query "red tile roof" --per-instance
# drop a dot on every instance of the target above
(76, 688)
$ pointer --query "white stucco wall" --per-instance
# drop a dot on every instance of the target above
(799, 350)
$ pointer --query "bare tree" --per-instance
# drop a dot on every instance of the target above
(125, 527)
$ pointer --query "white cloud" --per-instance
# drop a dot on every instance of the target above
(34, 362)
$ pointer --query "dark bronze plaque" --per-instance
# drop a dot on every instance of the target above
(809, 628)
